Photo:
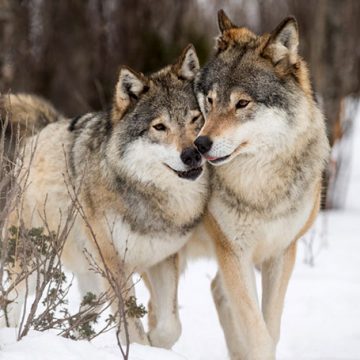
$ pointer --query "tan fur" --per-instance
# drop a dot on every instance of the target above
(266, 183)
(240, 35)
(243, 36)
(164, 322)
(121, 100)
(222, 120)
(140, 198)
(219, 124)
(274, 294)
(232, 274)
(27, 113)
(184, 142)
(314, 212)
(260, 186)
(235, 36)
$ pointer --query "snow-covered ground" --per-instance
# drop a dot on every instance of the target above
(321, 319)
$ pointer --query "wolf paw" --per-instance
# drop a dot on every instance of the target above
(165, 336)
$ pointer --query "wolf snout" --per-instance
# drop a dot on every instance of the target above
(203, 143)
(191, 157)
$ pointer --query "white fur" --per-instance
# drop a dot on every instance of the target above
(126, 76)
(190, 65)
(268, 130)
(149, 162)
(286, 44)
(141, 251)
(201, 100)
(258, 238)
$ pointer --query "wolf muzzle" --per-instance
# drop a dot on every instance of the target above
(203, 144)
(191, 157)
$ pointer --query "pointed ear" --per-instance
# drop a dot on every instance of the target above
(283, 42)
(224, 22)
(187, 65)
(129, 87)
(224, 39)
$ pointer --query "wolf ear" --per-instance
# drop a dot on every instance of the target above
(223, 40)
(129, 87)
(224, 22)
(187, 65)
(283, 42)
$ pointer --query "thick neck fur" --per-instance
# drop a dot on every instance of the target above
(148, 207)
(272, 180)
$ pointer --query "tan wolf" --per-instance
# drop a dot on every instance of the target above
(139, 171)
(265, 136)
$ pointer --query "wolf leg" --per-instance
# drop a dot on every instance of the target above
(88, 282)
(226, 319)
(135, 327)
(276, 273)
(165, 326)
(151, 313)
(237, 275)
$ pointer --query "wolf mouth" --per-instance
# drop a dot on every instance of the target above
(191, 174)
(215, 160)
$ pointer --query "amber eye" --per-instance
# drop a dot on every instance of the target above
(159, 127)
(242, 104)
(195, 118)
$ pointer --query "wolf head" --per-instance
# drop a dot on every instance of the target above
(156, 120)
(252, 92)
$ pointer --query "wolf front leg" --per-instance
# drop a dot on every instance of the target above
(164, 323)
(276, 273)
(226, 319)
(238, 279)
(237, 276)
(135, 329)
(131, 328)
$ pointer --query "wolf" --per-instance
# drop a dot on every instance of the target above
(140, 179)
(265, 136)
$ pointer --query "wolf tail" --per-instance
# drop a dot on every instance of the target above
(24, 115)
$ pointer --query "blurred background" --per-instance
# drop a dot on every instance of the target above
(69, 51)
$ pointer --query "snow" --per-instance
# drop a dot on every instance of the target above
(44, 346)
(321, 318)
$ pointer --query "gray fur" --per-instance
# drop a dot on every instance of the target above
(270, 155)
(238, 69)
(145, 207)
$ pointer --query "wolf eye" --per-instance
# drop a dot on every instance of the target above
(210, 100)
(242, 104)
(195, 118)
(159, 127)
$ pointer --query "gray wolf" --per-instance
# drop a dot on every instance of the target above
(265, 137)
(139, 171)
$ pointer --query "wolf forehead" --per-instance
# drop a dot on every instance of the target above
(167, 99)
(168, 92)
(241, 69)
(166, 96)
(267, 67)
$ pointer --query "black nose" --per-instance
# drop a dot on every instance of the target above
(191, 157)
(203, 143)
